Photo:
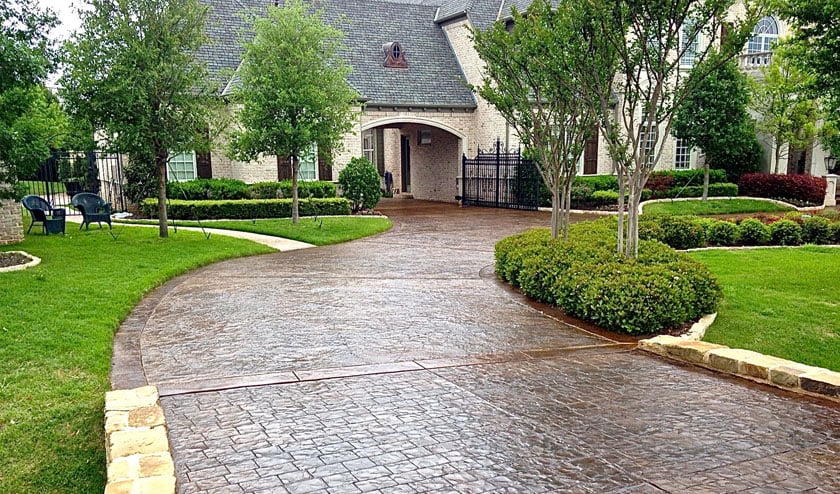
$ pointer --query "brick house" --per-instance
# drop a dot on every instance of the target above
(411, 61)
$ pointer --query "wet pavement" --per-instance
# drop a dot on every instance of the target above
(398, 364)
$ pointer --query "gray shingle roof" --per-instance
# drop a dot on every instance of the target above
(521, 6)
(482, 13)
(433, 79)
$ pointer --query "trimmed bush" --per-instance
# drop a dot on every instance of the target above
(359, 182)
(753, 232)
(815, 230)
(283, 190)
(722, 233)
(598, 182)
(803, 189)
(584, 276)
(682, 178)
(834, 233)
(248, 208)
(785, 232)
(715, 190)
(681, 232)
(604, 198)
(208, 188)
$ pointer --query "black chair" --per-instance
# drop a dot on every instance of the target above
(93, 208)
(51, 219)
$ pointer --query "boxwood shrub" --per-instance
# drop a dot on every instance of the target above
(279, 190)
(785, 232)
(722, 233)
(584, 276)
(247, 208)
(208, 188)
(753, 232)
(815, 230)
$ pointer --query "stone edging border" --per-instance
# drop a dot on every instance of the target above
(32, 263)
(774, 371)
(136, 443)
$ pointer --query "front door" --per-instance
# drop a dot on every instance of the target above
(590, 155)
(405, 159)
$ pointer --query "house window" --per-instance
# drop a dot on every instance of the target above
(688, 46)
(308, 164)
(682, 155)
(373, 148)
(647, 140)
(764, 36)
(394, 56)
(181, 167)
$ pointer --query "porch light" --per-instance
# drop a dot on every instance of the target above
(830, 163)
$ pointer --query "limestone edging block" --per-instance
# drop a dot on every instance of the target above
(136, 443)
(752, 365)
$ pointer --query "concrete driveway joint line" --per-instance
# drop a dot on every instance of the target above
(390, 364)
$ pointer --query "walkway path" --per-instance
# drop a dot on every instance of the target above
(397, 364)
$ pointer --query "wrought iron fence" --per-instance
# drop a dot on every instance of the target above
(501, 180)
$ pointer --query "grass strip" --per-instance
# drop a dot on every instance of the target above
(713, 207)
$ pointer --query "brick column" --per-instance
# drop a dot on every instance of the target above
(11, 222)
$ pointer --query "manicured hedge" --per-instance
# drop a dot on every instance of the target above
(584, 276)
(208, 188)
(247, 209)
(278, 190)
(798, 188)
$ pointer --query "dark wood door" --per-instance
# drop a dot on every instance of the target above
(405, 162)
(590, 155)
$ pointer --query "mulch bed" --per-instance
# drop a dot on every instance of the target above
(9, 259)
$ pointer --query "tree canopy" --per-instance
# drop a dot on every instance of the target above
(31, 120)
(714, 116)
(292, 91)
(133, 72)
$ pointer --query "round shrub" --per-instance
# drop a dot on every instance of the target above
(722, 233)
(604, 198)
(834, 233)
(508, 252)
(681, 232)
(359, 182)
(753, 232)
(785, 232)
(815, 230)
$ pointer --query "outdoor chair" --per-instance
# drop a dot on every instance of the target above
(51, 219)
(93, 208)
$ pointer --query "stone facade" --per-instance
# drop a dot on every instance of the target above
(11, 222)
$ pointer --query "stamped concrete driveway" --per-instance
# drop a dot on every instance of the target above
(398, 364)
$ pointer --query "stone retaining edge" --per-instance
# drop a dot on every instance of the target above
(774, 371)
(136, 443)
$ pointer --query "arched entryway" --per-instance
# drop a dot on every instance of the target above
(422, 155)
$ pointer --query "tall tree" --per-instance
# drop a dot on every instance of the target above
(714, 116)
(30, 118)
(133, 72)
(292, 90)
(530, 79)
(651, 38)
(786, 110)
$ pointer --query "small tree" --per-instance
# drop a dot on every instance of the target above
(292, 91)
(787, 112)
(531, 79)
(30, 118)
(651, 39)
(714, 116)
(359, 182)
(134, 74)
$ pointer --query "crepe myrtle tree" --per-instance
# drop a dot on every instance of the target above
(133, 73)
(292, 92)
(651, 40)
(531, 79)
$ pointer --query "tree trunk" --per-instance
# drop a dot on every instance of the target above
(631, 248)
(706, 181)
(621, 190)
(777, 155)
(555, 209)
(295, 169)
(567, 207)
(161, 159)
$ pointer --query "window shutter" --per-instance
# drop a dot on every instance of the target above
(324, 169)
(204, 168)
(284, 168)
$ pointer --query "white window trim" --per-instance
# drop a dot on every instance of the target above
(170, 170)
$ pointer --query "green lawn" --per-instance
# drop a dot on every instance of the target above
(781, 302)
(714, 206)
(323, 231)
(56, 327)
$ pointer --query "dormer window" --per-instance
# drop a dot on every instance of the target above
(394, 56)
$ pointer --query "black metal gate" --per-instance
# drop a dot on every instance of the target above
(65, 173)
(500, 180)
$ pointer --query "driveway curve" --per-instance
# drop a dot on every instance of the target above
(398, 364)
